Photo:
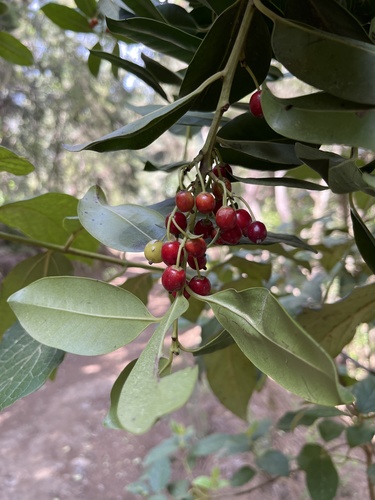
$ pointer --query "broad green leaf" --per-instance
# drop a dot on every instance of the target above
(277, 345)
(324, 60)
(14, 51)
(364, 239)
(242, 476)
(24, 273)
(145, 130)
(25, 365)
(357, 435)
(157, 35)
(127, 228)
(214, 52)
(140, 286)
(330, 429)
(158, 475)
(160, 72)
(214, 338)
(144, 397)
(88, 7)
(140, 72)
(66, 18)
(164, 449)
(286, 239)
(80, 315)
(364, 392)
(214, 443)
(334, 325)
(346, 177)
(14, 164)
(144, 8)
(42, 218)
(93, 61)
(232, 378)
(177, 16)
(306, 416)
(274, 462)
(281, 181)
(320, 161)
(325, 118)
(321, 476)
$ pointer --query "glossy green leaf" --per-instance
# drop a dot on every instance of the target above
(144, 397)
(25, 365)
(214, 52)
(346, 177)
(93, 61)
(161, 73)
(144, 131)
(140, 72)
(144, 8)
(274, 462)
(330, 429)
(127, 228)
(282, 181)
(357, 435)
(14, 164)
(66, 18)
(276, 345)
(14, 51)
(88, 7)
(157, 35)
(324, 60)
(177, 16)
(325, 118)
(242, 476)
(364, 392)
(214, 338)
(306, 416)
(140, 286)
(24, 273)
(320, 161)
(334, 325)
(364, 239)
(232, 378)
(321, 476)
(218, 6)
(286, 239)
(80, 315)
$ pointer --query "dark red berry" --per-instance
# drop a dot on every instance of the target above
(197, 262)
(169, 252)
(218, 204)
(200, 285)
(203, 227)
(196, 247)
(205, 202)
(226, 218)
(257, 232)
(222, 170)
(218, 188)
(232, 236)
(243, 219)
(173, 279)
(184, 201)
(255, 104)
(220, 240)
(180, 219)
(185, 293)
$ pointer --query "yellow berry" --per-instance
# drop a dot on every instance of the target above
(153, 251)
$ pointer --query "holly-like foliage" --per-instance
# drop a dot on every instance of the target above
(230, 54)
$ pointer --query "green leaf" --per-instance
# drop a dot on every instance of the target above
(159, 474)
(306, 416)
(277, 346)
(93, 61)
(232, 378)
(160, 72)
(80, 315)
(346, 177)
(66, 18)
(88, 7)
(4, 8)
(364, 392)
(281, 181)
(144, 131)
(26, 272)
(177, 16)
(140, 72)
(371, 473)
(214, 443)
(321, 475)
(14, 164)
(364, 239)
(144, 8)
(214, 52)
(300, 49)
(357, 435)
(326, 119)
(157, 35)
(334, 325)
(14, 51)
(144, 397)
(330, 429)
(127, 228)
(140, 286)
(274, 462)
(25, 365)
(242, 476)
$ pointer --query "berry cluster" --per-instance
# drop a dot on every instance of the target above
(198, 221)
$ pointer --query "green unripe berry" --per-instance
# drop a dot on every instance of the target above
(153, 251)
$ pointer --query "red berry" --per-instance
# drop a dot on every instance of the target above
(203, 227)
(218, 189)
(255, 104)
(205, 202)
(257, 232)
(218, 204)
(196, 248)
(243, 219)
(197, 262)
(169, 252)
(232, 236)
(173, 279)
(184, 201)
(200, 285)
(220, 240)
(222, 170)
(226, 218)
(93, 22)
(180, 219)
(186, 293)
